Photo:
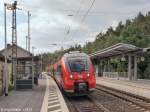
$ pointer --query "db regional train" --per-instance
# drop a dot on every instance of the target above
(74, 72)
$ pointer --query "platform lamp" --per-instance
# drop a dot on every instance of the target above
(123, 59)
(142, 58)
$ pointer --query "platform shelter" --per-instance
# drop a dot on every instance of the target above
(28, 70)
(127, 53)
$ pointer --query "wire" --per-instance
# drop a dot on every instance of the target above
(84, 17)
(75, 15)
(77, 12)
(106, 12)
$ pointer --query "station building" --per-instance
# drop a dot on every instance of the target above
(27, 66)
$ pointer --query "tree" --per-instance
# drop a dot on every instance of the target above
(140, 17)
(128, 22)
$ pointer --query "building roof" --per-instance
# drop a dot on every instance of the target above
(146, 49)
(115, 50)
(10, 46)
(2, 58)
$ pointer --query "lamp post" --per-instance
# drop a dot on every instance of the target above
(68, 31)
(41, 63)
(26, 42)
(5, 25)
(29, 30)
(33, 48)
(5, 65)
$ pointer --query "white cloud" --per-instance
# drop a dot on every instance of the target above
(50, 23)
(114, 24)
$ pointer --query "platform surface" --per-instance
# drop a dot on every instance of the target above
(140, 87)
(24, 100)
(53, 99)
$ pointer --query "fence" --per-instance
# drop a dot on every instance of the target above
(115, 74)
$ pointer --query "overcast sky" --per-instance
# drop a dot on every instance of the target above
(50, 22)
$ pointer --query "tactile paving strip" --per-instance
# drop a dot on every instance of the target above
(53, 101)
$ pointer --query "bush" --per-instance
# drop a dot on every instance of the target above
(147, 72)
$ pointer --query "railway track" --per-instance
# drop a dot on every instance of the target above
(84, 104)
(138, 102)
(106, 99)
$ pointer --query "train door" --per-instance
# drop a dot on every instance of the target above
(59, 73)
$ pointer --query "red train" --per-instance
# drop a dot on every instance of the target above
(74, 72)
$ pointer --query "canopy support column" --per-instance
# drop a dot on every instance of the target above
(135, 67)
(129, 66)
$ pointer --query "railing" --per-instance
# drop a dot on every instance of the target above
(110, 74)
(115, 74)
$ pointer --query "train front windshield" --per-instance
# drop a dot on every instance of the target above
(78, 64)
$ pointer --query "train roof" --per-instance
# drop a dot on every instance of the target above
(70, 54)
(75, 54)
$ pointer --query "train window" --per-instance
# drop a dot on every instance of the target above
(78, 65)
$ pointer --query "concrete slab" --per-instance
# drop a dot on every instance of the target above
(139, 87)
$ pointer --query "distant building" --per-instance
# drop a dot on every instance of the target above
(24, 64)
(21, 52)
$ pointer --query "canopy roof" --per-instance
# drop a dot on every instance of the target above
(36, 58)
(115, 50)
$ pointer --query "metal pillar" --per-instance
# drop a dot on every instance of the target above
(6, 79)
(14, 42)
(26, 42)
(104, 67)
(101, 68)
(5, 24)
(29, 31)
(33, 66)
(41, 63)
(109, 66)
(135, 67)
(129, 66)
(32, 71)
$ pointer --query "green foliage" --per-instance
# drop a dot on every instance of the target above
(147, 72)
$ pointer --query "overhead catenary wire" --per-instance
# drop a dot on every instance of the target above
(74, 15)
(97, 13)
(106, 12)
(85, 15)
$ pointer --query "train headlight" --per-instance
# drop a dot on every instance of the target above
(71, 77)
(88, 75)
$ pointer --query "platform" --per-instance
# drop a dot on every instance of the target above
(24, 100)
(53, 99)
(140, 87)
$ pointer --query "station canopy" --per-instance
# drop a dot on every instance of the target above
(115, 50)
